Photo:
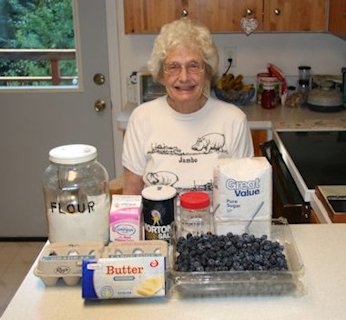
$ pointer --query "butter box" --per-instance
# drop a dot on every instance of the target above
(125, 218)
(134, 269)
(124, 277)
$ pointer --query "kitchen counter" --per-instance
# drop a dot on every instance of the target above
(277, 118)
(322, 251)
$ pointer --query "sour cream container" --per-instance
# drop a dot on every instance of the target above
(76, 194)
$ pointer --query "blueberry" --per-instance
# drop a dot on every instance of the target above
(210, 252)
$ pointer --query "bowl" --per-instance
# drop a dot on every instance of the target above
(244, 282)
(237, 97)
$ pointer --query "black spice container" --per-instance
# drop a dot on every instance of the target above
(158, 211)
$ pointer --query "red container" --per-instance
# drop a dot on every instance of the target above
(266, 79)
(268, 99)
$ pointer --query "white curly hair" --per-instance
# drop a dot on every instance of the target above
(188, 34)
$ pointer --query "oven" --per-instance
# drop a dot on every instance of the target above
(302, 160)
(287, 199)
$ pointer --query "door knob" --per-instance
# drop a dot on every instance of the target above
(99, 79)
(100, 105)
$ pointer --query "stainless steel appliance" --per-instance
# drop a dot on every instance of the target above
(142, 87)
(302, 160)
(287, 199)
(314, 158)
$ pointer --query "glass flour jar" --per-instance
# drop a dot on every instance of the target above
(76, 193)
(195, 216)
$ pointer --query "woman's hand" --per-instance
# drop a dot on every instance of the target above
(133, 183)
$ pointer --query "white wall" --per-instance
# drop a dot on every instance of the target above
(325, 53)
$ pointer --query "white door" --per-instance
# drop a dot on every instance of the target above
(32, 122)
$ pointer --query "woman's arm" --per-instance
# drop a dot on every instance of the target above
(133, 183)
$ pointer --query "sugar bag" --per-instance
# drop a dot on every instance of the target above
(242, 195)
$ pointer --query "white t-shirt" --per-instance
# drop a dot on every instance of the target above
(170, 148)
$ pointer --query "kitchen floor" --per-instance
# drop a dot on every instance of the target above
(16, 260)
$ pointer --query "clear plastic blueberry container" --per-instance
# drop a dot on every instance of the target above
(250, 282)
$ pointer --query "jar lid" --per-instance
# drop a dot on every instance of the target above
(72, 154)
(269, 80)
(159, 192)
(304, 68)
(194, 200)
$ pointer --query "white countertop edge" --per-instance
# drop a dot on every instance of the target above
(319, 209)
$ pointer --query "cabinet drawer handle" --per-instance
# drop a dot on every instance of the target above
(184, 13)
(277, 12)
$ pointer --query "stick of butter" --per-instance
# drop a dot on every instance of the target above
(150, 286)
(124, 277)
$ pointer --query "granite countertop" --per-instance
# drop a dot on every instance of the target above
(279, 118)
(294, 118)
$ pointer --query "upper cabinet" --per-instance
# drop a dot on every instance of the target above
(225, 15)
(149, 16)
(295, 15)
(337, 17)
(219, 15)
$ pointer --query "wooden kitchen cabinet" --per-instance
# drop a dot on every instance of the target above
(148, 16)
(219, 15)
(295, 15)
(225, 15)
(337, 17)
(258, 137)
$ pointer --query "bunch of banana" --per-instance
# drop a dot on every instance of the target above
(230, 82)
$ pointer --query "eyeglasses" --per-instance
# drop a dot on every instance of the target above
(174, 69)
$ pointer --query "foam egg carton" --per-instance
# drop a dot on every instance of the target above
(64, 260)
(136, 248)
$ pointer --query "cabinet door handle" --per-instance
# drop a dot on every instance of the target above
(184, 12)
(248, 12)
(277, 11)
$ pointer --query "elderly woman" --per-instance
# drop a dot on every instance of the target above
(176, 139)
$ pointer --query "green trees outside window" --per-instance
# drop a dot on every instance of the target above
(36, 24)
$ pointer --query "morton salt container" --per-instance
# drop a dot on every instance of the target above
(76, 193)
(158, 211)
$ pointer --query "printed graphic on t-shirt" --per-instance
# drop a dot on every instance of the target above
(210, 143)
(162, 177)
